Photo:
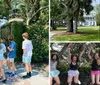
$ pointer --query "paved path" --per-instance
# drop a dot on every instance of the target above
(39, 77)
(53, 33)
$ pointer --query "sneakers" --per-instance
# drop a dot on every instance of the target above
(8, 72)
(12, 74)
(79, 82)
(0, 77)
(4, 81)
(69, 84)
(28, 75)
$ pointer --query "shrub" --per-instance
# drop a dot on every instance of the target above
(39, 37)
(17, 28)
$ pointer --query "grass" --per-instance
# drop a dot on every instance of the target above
(90, 33)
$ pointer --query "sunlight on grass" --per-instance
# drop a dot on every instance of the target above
(85, 34)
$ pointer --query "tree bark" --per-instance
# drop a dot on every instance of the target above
(27, 22)
(63, 50)
(70, 26)
(75, 25)
(53, 25)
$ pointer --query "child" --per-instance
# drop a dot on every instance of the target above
(74, 65)
(95, 70)
(11, 56)
(53, 71)
(2, 51)
(27, 54)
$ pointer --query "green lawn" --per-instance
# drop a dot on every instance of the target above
(84, 34)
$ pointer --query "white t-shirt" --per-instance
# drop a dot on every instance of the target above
(27, 44)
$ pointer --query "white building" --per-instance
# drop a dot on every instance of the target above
(89, 21)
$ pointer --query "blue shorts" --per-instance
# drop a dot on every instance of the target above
(54, 73)
(2, 58)
(26, 59)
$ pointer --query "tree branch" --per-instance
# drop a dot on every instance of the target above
(39, 10)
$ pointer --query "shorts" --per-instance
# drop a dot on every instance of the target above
(10, 59)
(26, 59)
(2, 58)
(54, 73)
(73, 73)
(95, 72)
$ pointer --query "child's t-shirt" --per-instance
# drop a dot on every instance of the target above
(12, 54)
(27, 44)
(53, 65)
(3, 48)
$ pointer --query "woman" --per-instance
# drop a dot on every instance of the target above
(53, 71)
(73, 64)
(95, 70)
(2, 51)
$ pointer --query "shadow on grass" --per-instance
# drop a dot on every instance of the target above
(79, 36)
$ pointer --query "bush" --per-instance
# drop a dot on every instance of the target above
(17, 28)
(39, 37)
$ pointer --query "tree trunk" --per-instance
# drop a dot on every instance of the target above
(75, 25)
(53, 25)
(27, 22)
(63, 50)
(70, 26)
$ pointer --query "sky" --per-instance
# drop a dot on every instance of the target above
(96, 2)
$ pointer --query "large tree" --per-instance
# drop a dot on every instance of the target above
(33, 9)
(74, 9)
(30, 10)
(55, 12)
(70, 10)
(97, 10)
(76, 48)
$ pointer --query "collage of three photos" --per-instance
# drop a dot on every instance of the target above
(49, 42)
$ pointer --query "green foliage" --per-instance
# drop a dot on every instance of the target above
(55, 9)
(17, 28)
(39, 37)
(69, 10)
(4, 10)
(4, 32)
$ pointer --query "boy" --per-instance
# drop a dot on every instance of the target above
(27, 54)
(11, 55)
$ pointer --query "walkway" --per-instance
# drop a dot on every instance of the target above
(39, 77)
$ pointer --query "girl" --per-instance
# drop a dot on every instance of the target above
(2, 51)
(53, 71)
(27, 54)
(73, 64)
(95, 66)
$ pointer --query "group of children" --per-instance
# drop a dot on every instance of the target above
(11, 54)
(73, 61)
